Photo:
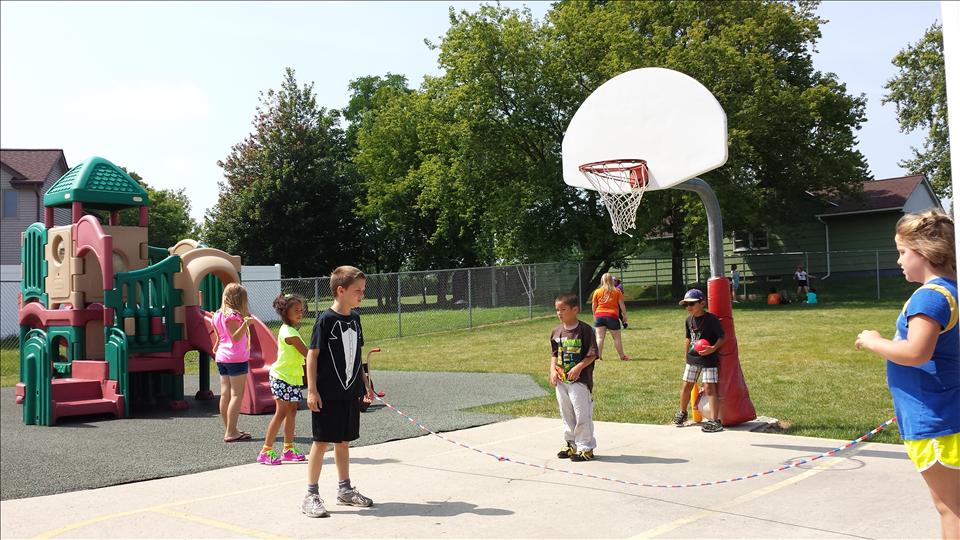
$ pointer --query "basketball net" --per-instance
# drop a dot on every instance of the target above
(621, 184)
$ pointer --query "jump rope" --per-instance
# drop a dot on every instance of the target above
(503, 458)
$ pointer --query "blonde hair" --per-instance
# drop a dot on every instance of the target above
(235, 299)
(931, 234)
(606, 282)
(344, 276)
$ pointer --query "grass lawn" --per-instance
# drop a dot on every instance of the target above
(798, 360)
(799, 363)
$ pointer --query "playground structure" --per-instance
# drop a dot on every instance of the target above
(106, 320)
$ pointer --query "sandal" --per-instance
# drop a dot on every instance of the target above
(625, 358)
(243, 436)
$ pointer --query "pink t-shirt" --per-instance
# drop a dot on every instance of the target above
(229, 351)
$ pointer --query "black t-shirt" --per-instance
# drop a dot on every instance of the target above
(339, 339)
(569, 347)
(705, 327)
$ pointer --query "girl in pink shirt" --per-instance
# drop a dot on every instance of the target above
(232, 322)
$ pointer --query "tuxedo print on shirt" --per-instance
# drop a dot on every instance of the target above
(343, 336)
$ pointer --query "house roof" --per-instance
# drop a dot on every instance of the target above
(877, 195)
(29, 165)
(98, 184)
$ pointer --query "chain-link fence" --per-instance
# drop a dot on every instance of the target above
(836, 276)
(412, 303)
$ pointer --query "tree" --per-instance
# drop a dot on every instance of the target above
(481, 152)
(170, 219)
(919, 92)
(289, 191)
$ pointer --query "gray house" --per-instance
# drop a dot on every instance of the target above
(25, 175)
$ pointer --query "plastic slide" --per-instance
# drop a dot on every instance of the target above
(257, 398)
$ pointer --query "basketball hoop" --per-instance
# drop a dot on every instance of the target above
(621, 183)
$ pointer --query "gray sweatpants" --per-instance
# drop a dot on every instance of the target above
(576, 411)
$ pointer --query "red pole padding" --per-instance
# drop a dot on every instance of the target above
(735, 404)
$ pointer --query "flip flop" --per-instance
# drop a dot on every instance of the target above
(243, 436)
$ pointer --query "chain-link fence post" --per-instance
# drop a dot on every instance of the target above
(469, 298)
(877, 259)
(580, 282)
(656, 279)
(399, 303)
(529, 289)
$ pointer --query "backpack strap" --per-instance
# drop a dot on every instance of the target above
(954, 314)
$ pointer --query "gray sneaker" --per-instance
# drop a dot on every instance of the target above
(313, 507)
(352, 497)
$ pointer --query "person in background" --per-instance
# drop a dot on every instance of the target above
(734, 282)
(773, 297)
(812, 296)
(618, 283)
(608, 306)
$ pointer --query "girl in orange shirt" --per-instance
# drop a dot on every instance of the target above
(608, 307)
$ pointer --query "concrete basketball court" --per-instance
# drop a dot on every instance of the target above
(425, 487)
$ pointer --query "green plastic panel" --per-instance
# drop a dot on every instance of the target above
(76, 338)
(96, 183)
(143, 294)
(211, 292)
(117, 355)
(157, 254)
(34, 263)
(37, 378)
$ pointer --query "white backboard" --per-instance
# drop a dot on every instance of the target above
(659, 115)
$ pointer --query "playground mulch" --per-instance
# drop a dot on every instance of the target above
(91, 452)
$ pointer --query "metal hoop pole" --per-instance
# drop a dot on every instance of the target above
(714, 221)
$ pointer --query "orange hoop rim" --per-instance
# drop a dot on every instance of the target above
(614, 165)
(637, 174)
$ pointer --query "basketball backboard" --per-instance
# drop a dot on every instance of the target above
(659, 115)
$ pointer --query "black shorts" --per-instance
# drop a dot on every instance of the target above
(802, 283)
(232, 369)
(610, 322)
(337, 421)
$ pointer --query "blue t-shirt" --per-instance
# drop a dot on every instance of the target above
(926, 398)
(811, 298)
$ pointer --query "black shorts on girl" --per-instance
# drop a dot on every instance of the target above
(337, 421)
(232, 369)
(612, 323)
(285, 391)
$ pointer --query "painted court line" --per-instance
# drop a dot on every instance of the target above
(755, 494)
(164, 508)
(253, 533)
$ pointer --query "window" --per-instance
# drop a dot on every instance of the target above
(750, 240)
(9, 204)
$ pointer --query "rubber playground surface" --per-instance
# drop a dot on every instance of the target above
(424, 486)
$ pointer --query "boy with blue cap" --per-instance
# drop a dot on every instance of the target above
(704, 337)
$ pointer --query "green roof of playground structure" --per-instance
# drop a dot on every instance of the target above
(96, 183)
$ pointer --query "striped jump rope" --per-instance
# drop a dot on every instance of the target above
(498, 457)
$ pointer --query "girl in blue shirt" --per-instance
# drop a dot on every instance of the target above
(923, 360)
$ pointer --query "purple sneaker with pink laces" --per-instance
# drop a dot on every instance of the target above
(293, 455)
(269, 457)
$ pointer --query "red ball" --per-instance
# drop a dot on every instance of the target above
(701, 345)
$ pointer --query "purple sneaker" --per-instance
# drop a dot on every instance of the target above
(269, 457)
(293, 455)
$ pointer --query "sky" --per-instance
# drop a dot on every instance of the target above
(166, 89)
